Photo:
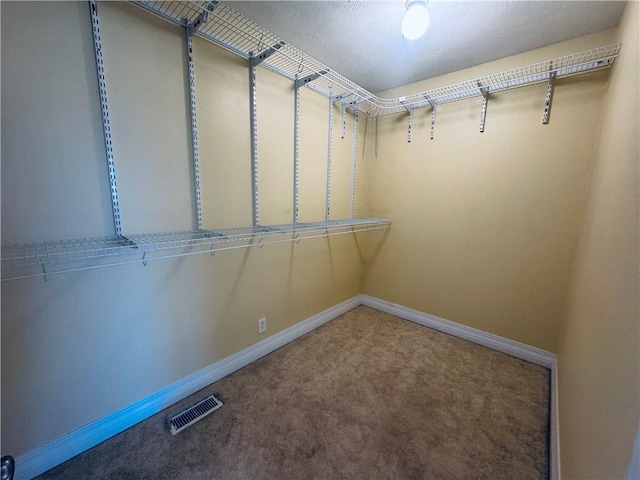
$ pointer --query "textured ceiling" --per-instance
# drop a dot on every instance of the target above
(361, 39)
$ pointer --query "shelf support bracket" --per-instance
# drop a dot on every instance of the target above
(106, 122)
(483, 114)
(300, 82)
(257, 60)
(434, 109)
(253, 118)
(344, 120)
(410, 110)
(354, 103)
(194, 123)
(548, 99)
(354, 154)
(192, 27)
(327, 214)
(342, 97)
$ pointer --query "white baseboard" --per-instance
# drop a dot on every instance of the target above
(54, 453)
(41, 459)
(554, 423)
(633, 470)
(495, 342)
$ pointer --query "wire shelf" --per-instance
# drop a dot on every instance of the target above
(117, 250)
(582, 62)
(64, 251)
(233, 31)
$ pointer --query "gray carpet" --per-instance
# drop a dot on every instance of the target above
(367, 396)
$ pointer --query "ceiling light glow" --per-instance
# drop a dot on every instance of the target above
(416, 20)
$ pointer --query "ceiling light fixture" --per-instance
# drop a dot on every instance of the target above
(416, 19)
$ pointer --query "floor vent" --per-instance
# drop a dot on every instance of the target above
(191, 415)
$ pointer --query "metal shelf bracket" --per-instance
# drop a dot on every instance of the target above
(193, 26)
(548, 99)
(194, 125)
(258, 59)
(354, 154)
(410, 111)
(327, 215)
(434, 108)
(253, 119)
(106, 122)
(299, 82)
(375, 148)
(296, 150)
(364, 140)
(483, 113)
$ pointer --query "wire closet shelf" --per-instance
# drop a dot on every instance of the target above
(233, 31)
(72, 255)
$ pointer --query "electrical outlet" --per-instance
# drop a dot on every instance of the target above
(262, 325)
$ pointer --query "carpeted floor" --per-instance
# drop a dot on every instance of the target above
(367, 396)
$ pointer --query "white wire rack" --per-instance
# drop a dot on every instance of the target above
(569, 65)
(45, 253)
(236, 33)
(29, 260)
(233, 31)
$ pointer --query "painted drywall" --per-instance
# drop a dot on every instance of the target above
(81, 345)
(485, 224)
(53, 123)
(599, 352)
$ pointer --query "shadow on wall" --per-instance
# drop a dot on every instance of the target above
(369, 248)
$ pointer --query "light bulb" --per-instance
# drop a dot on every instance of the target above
(415, 21)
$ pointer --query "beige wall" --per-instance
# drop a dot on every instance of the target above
(82, 345)
(485, 224)
(598, 352)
